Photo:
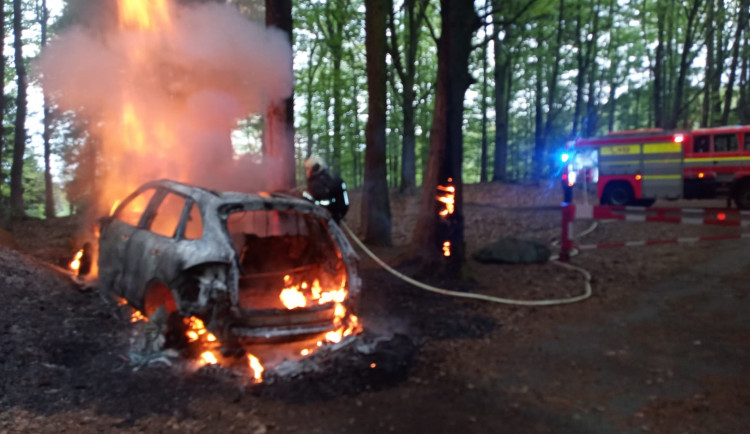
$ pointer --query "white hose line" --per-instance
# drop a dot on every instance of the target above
(585, 295)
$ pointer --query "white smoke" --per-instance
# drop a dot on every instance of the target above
(188, 83)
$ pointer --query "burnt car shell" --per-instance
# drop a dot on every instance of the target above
(170, 244)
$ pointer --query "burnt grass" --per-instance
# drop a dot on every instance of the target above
(662, 346)
(65, 348)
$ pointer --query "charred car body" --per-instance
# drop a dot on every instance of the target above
(228, 259)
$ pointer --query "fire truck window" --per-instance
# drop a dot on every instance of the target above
(747, 141)
(131, 212)
(168, 215)
(701, 144)
(194, 227)
(725, 143)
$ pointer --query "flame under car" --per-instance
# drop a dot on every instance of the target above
(254, 268)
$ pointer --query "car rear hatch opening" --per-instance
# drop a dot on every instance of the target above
(293, 281)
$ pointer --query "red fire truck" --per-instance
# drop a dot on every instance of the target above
(637, 167)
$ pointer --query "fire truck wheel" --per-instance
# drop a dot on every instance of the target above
(618, 193)
(643, 202)
(742, 195)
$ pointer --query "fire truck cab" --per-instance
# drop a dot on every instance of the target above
(638, 167)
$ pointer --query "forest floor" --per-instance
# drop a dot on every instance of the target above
(663, 345)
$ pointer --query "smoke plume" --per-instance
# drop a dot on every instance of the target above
(161, 99)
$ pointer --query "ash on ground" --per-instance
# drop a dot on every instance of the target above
(366, 361)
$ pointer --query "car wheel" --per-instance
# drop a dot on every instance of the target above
(617, 194)
(742, 195)
(160, 296)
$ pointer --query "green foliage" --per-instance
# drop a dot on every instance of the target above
(617, 82)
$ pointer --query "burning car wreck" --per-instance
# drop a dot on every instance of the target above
(254, 268)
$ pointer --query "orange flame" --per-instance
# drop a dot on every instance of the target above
(208, 358)
(447, 249)
(297, 295)
(138, 316)
(293, 298)
(143, 14)
(197, 330)
(447, 198)
(255, 367)
(112, 210)
(75, 264)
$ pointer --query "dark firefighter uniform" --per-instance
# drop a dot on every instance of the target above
(326, 190)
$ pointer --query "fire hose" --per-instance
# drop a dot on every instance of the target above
(550, 302)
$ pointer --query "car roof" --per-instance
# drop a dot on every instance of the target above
(207, 196)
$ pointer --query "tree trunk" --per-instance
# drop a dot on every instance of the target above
(376, 211)
(414, 13)
(659, 69)
(743, 105)
(337, 111)
(483, 157)
(356, 140)
(279, 137)
(684, 66)
(540, 143)
(502, 106)
(709, 73)
(459, 22)
(49, 201)
(591, 52)
(2, 110)
(312, 68)
(741, 25)
(579, 77)
(19, 142)
(614, 43)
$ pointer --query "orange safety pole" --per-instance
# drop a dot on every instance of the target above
(566, 240)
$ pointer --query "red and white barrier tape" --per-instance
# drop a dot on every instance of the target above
(696, 216)
(682, 240)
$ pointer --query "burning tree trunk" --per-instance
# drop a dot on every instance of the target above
(376, 212)
(440, 231)
(19, 142)
(279, 140)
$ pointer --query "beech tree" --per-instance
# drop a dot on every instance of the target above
(376, 212)
(459, 21)
(42, 13)
(19, 141)
(2, 107)
(279, 133)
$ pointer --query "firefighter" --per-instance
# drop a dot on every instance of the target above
(325, 189)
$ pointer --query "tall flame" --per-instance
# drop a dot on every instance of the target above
(256, 367)
(447, 198)
(144, 14)
(75, 264)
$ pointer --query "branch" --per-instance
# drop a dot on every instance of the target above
(431, 29)
(426, 92)
(515, 18)
(396, 93)
(393, 47)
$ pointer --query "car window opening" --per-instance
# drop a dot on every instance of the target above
(279, 249)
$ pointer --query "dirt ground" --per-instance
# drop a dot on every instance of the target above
(663, 345)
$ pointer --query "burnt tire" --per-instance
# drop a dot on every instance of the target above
(618, 194)
(159, 295)
(742, 195)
